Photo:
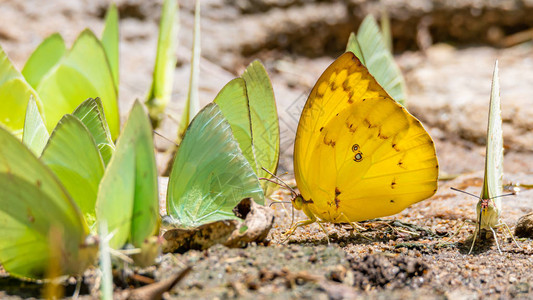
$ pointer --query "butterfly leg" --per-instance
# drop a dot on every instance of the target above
(295, 226)
(510, 233)
(473, 241)
(324, 229)
(76, 294)
(356, 227)
(453, 235)
(496, 239)
(312, 219)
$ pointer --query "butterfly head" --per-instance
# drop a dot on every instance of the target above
(298, 202)
(484, 205)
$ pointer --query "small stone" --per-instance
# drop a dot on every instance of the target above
(524, 226)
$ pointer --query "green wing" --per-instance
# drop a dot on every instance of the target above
(14, 95)
(91, 113)
(43, 59)
(73, 156)
(264, 118)
(492, 184)
(370, 47)
(83, 73)
(233, 103)
(33, 202)
(35, 135)
(209, 175)
(110, 40)
(128, 199)
(165, 61)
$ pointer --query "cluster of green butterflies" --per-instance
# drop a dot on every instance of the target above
(70, 181)
(62, 186)
(77, 177)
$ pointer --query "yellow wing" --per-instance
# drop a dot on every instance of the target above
(359, 154)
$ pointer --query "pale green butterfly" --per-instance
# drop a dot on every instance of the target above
(371, 48)
(489, 206)
(165, 62)
(70, 150)
(249, 106)
(34, 203)
(210, 176)
(128, 200)
(63, 79)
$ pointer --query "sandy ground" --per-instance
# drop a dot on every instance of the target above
(449, 88)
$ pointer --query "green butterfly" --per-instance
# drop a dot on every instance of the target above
(53, 194)
(80, 171)
(209, 176)
(249, 106)
(128, 200)
(371, 48)
(489, 206)
(58, 80)
(63, 79)
(165, 62)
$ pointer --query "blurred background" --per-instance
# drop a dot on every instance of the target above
(445, 49)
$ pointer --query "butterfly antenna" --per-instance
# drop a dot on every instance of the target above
(270, 180)
(164, 137)
(457, 190)
(504, 195)
(279, 202)
(282, 183)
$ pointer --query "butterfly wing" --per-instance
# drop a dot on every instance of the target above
(43, 59)
(209, 175)
(32, 202)
(110, 40)
(82, 73)
(72, 155)
(14, 94)
(128, 199)
(35, 135)
(492, 183)
(370, 47)
(264, 119)
(91, 113)
(233, 103)
(165, 61)
(249, 106)
(358, 153)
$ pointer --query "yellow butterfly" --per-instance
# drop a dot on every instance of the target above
(358, 154)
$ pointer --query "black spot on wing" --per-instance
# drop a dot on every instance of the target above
(337, 200)
(395, 147)
(381, 136)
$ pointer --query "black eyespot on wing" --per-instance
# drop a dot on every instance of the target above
(358, 157)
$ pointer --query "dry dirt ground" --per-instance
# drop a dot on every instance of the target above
(446, 50)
